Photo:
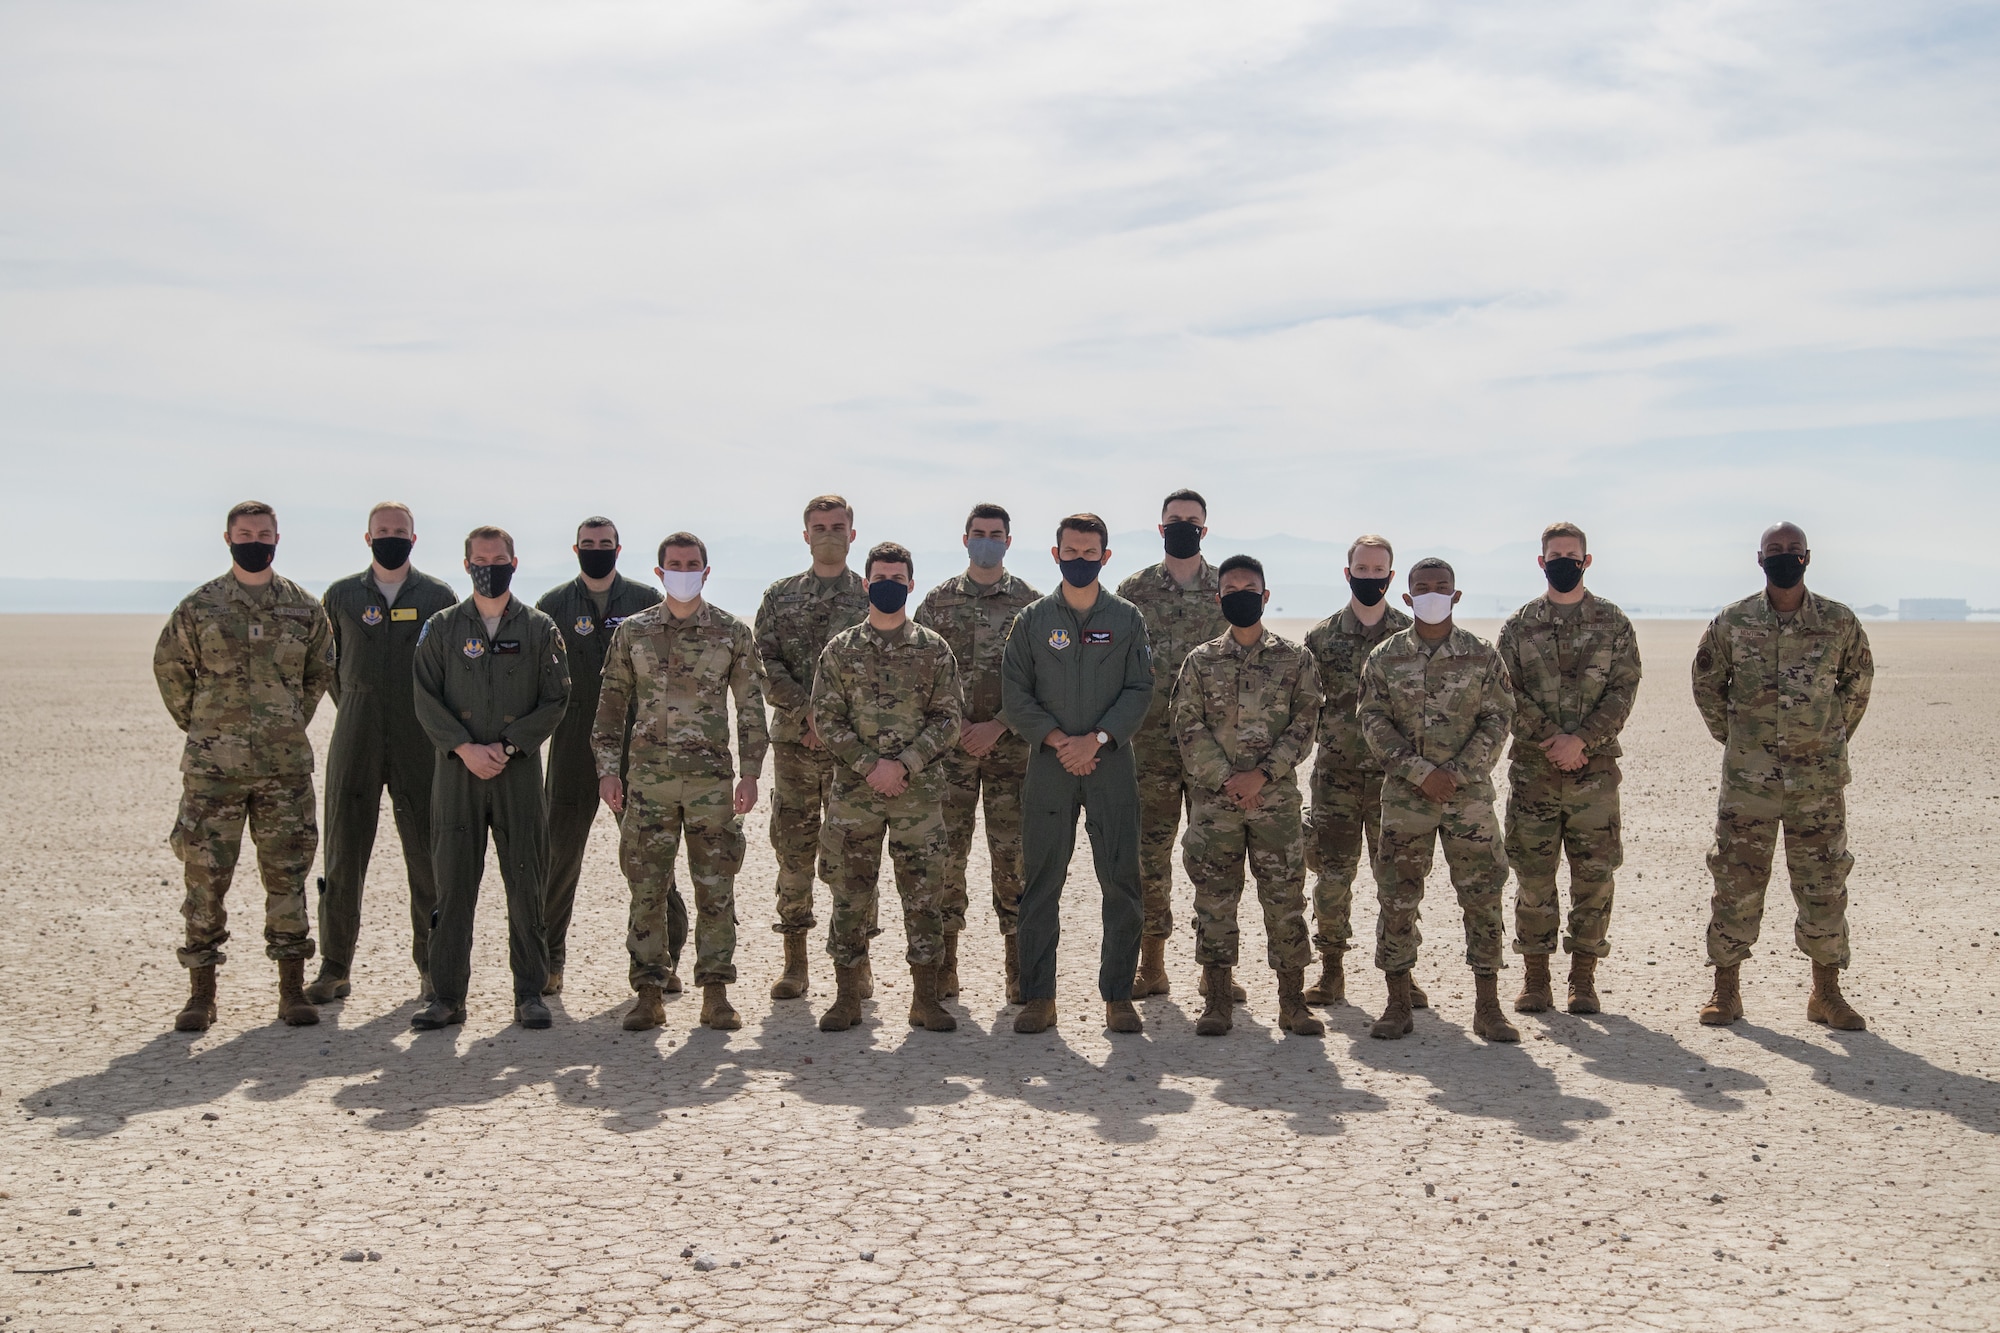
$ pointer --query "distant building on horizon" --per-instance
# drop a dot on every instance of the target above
(1933, 608)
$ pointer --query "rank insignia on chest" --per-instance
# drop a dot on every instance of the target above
(402, 613)
(475, 648)
(372, 616)
(505, 646)
(1097, 636)
(256, 631)
(1059, 639)
(585, 625)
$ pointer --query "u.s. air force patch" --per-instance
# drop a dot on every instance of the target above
(1059, 639)
(475, 648)
(585, 625)
(372, 616)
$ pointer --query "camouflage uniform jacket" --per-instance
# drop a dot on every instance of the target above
(1178, 620)
(1445, 709)
(241, 671)
(796, 618)
(1238, 709)
(1784, 699)
(1573, 674)
(672, 679)
(887, 696)
(1339, 645)
(974, 619)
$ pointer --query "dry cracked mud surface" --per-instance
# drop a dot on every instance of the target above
(1630, 1170)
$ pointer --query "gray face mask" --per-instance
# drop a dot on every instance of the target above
(987, 552)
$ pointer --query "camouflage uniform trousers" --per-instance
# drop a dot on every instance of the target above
(1219, 839)
(857, 819)
(656, 817)
(208, 839)
(801, 784)
(1412, 826)
(1551, 814)
(1346, 813)
(1162, 795)
(1746, 834)
(1000, 774)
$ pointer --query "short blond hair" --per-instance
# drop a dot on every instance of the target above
(1370, 539)
(821, 504)
(398, 505)
(1555, 530)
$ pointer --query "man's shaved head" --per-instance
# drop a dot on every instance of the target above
(1784, 533)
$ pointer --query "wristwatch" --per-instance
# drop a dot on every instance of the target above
(509, 746)
(1104, 738)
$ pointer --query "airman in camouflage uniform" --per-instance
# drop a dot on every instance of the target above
(1434, 711)
(1244, 714)
(241, 665)
(1177, 598)
(673, 675)
(1782, 680)
(886, 702)
(1574, 669)
(1346, 780)
(974, 616)
(796, 618)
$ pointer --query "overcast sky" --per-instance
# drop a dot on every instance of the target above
(1449, 271)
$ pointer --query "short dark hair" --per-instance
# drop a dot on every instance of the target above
(247, 509)
(1184, 494)
(888, 553)
(489, 533)
(1089, 523)
(682, 539)
(989, 511)
(1434, 562)
(1554, 530)
(598, 521)
(1249, 562)
(823, 503)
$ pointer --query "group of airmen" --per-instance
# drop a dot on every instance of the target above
(1166, 704)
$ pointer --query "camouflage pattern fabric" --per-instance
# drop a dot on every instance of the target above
(1426, 706)
(241, 671)
(974, 619)
(998, 777)
(657, 816)
(1784, 696)
(674, 680)
(794, 622)
(1220, 838)
(858, 819)
(801, 786)
(1574, 671)
(1551, 814)
(1340, 645)
(1346, 815)
(208, 838)
(1177, 621)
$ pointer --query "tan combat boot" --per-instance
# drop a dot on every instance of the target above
(925, 1011)
(1726, 1005)
(328, 986)
(794, 982)
(292, 1006)
(1331, 988)
(1035, 1016)
(1395, 1022)
(1152, 978)
(1293, 1016)
(1121, 1016)
(1418, 1000)
(716, 1010)
(1012, 944)
(1217, 1002)
(1583, 983)
(648, 1011)
(199, 1011)
(845, 1011)
(1827, 1006)
(552, 983)
(1236, 991)
(1487, 1020)
(865, 978)
(1537, 992)
(947, 973)
(672, 985)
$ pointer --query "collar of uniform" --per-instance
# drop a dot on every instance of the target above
(1808, 614)
(895, 638)
(1346, 622)
(658, 617)
(470, 608)
(812, 583)
(411, 578)
(1264, 640)
(1458, 643)
(1544, 610)
(1205, 579)
(971, 587)
(272, 593)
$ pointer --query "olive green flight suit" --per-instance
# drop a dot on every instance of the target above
(376, 743)
(472, 688)
(572, 777)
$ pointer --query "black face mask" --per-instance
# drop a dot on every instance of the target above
(888, 596)
(1368, 591)
(391, 552)
(1080, 573)
(1785, 570)
(1563, 572)
(596, 564)
(252, 557)
(1183, 538)
(491, 580)
(1243, 609)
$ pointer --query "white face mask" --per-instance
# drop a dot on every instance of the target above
(683, 585)
(1432, 607)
